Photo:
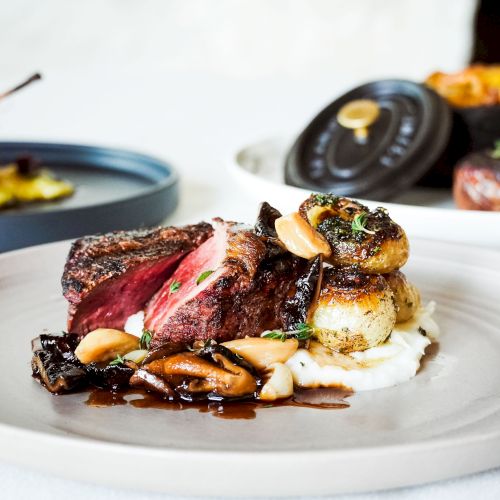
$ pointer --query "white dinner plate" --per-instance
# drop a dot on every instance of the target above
(445, 422)
(424, 213)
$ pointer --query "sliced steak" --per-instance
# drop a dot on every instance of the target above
(225, 289)
(109, 277)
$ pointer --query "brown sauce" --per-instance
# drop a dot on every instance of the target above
(303, 398)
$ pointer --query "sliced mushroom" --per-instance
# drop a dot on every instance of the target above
(224, 378)
(300, 238)
(279, 384)
(165, 350)
(261, 352)
(143, 378)
(296, 309)
(105, 344)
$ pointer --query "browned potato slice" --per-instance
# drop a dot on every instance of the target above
(357, 236)
(406, 295)
(354, 311)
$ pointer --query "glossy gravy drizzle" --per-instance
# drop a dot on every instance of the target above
(323, 399)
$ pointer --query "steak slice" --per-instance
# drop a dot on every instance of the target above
(225, 289)
(111, 276)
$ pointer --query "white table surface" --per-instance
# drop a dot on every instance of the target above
(195, 121)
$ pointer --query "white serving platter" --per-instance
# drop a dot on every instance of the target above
(425, 213)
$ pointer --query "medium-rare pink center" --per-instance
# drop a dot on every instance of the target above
(112, 303)
(182, 285)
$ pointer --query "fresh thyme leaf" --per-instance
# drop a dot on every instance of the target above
(174, 286)
(303, 332)
(275, 334)
(203, 276)
(145, 339)
(359, 222)
(375, 250)
(117, 361)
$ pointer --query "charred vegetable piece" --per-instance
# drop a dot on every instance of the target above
(357, 236)
(265, 220)
(55, 365)
(110, 376)
(264, 227)
(296, 308)
(146, 380)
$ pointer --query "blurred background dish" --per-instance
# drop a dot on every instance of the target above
(114, 189)
(426, 212)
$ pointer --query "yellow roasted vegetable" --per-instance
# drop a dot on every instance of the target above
(20, 187)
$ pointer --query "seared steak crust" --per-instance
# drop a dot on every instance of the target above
(108, 277)
(241, 297)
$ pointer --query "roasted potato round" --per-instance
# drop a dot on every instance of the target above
(354, 311)
(357, 236)
(406, 295)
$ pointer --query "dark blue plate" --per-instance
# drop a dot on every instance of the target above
(115, 189)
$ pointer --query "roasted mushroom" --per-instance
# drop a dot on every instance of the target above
(144, 379)
(191, 373)
(296, 308)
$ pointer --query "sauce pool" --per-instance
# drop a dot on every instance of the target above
(323, 399)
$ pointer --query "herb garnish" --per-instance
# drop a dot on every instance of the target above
(117, 361)
(203, 276)
(174, 286)
(359, 222)
(495, 153)
(303, 332)
(145, 341)
(326, 199)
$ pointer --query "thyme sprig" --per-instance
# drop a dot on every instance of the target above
(145, 341)
(303, 332)
(117, 361)
(359, 223)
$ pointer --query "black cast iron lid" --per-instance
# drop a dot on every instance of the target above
(406, 134)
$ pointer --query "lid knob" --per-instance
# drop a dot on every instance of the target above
(358, 115)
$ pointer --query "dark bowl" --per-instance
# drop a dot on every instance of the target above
(115, 189)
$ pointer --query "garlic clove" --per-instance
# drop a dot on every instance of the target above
(261, 352)
(105, 344)
(300, 238)
(279, 384)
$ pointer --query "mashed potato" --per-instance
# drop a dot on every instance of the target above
(393, 362)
